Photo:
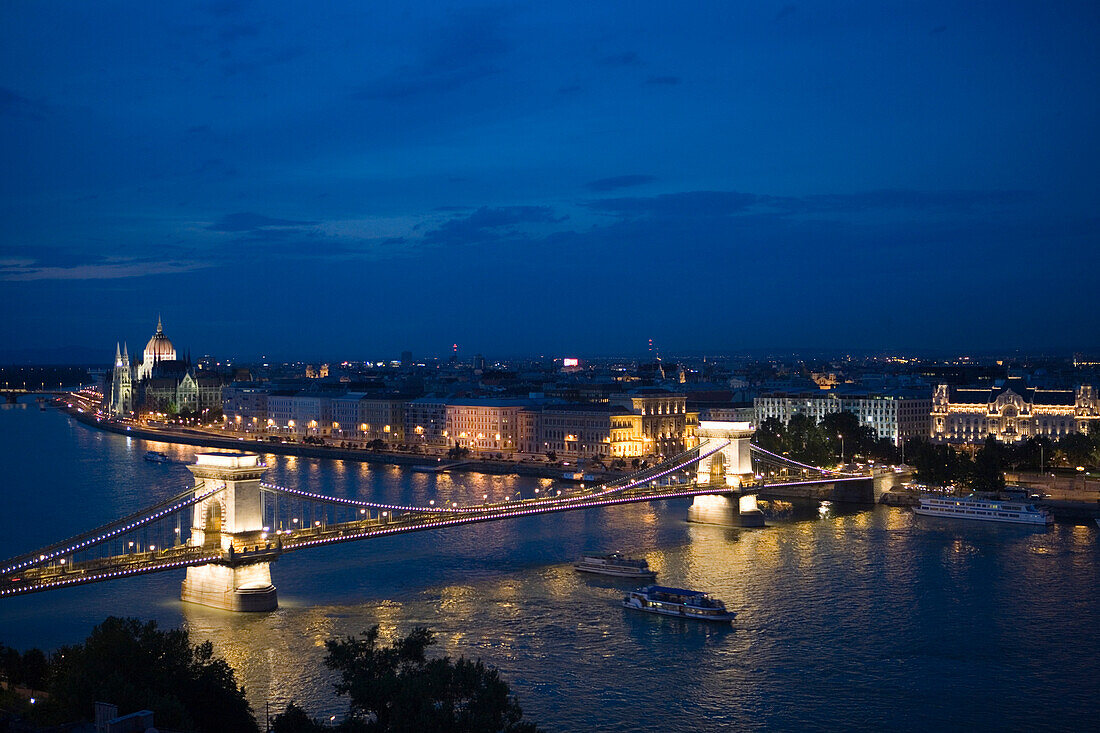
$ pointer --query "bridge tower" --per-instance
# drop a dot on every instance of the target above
(728, 471)
(229, 521)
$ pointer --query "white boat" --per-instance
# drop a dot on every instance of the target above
(678, 602)
(614, 564)
(987, 510)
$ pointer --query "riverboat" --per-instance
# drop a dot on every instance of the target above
(987, 510)
(678, 602)
(616, 565)
(155, 456)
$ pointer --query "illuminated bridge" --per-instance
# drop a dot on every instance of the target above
(230, 526)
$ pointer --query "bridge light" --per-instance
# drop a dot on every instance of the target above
(362, 511)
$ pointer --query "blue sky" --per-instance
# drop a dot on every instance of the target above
(346, 180)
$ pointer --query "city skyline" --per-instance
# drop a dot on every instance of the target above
(554, 179)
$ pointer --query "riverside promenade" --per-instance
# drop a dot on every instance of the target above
(302, 450)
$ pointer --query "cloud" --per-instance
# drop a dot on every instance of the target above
(663, 80)
(694, 204)
(628, 58)
(490, 224)
(687, 204)
(467, 49)
(23, 272)
(13, 103)
(248, 222)
(610, 184)
(908, 199)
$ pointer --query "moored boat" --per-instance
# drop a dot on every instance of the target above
(679, 602)
(616, 565)
(155, 456)
(987, 510)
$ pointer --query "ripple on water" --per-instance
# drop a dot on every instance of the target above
(848, 620)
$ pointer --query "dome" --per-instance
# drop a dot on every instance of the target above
(160, 347)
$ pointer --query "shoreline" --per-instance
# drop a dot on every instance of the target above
(469, 465)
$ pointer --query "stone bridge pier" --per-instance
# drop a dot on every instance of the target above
(229, 521)
(727, 470)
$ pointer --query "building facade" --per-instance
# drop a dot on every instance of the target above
(895, 416)
(1011, 412)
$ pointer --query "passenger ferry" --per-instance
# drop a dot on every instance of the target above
(155, 456)
(614, 564)
(988, 510)
(678, 602)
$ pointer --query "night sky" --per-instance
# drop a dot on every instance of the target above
(348, 180)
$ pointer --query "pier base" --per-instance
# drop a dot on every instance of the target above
(243, 588)
(726, 511)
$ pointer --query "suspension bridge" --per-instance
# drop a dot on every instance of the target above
(229, 527)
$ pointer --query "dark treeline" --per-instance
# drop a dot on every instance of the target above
(941, 465)
(138, 666)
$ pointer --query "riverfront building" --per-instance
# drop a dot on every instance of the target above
(1011, 412)
(896, 416)
(161, 382)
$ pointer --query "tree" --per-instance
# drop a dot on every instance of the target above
(988, 472)
(1077, 448)
(137, 666)
(771, 436)
(295, 720)
(397, 688)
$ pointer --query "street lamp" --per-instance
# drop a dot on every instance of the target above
(841, 436)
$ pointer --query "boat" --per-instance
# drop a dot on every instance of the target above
(679, 602)
(155, 456)
(988, 510)
(614, 564)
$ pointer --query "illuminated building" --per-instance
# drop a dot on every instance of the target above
(660, 423)
(483, 424)
(1011, 412)
(158, 349)
(161, 382)
(896, 416)
(577, 431)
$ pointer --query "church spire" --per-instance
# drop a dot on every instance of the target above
(125, 355)
(160, 327)
(118, 355)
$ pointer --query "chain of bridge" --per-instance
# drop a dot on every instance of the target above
(156, 539)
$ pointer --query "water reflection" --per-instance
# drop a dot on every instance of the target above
(833, 610)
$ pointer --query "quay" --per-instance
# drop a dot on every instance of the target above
(302, 450)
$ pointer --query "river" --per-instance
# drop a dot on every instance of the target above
(860, 619)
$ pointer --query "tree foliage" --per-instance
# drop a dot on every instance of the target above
(137, 666)
(822, 443)
(397, 688)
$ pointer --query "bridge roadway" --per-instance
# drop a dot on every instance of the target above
(263, 547)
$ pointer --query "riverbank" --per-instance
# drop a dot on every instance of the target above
(301, 450)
